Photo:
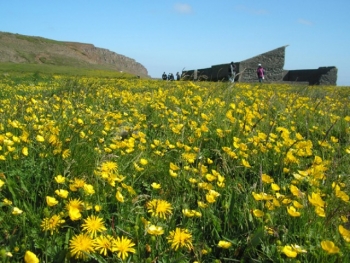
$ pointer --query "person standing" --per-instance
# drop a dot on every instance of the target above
(232, 72)
(260, 72)
(164, 76)
(178, 77)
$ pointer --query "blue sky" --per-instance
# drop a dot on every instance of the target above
(172, 35)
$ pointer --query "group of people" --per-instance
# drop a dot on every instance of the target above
(170, 76)
(260, 72)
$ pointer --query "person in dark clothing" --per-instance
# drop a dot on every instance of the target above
(164, 76)
(171, 76)
(260, 72)
(232, 72)
(178, 77)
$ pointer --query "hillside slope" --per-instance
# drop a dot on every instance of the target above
(17, 48)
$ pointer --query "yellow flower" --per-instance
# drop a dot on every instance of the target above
(143, 161)
(93, 225)
(25, 151)
(74, 214)
(74, 207)
(258, 213)
(159, 208)
(7, 202)
(89, 189)
(65, 153)
(266, 179)
(62, 193)
(30, 257)
(81, 246)
(316, 200)
(245, 163)
(155, 186)
(275, 187)
(329, 247)
(51, 201)
(155, 230)
(103, 244)
(289, 252)
(202, 204)
(320, 211)
(119, 197)
(224, 244)
(296, 192)
(97, 208)
(60, 179)
(172, 173)
(180, 238)
(344, 232)
(16, 211)
(40, 138)
(297, 204)
(51, 224)
(123, 246)
(1, 183)
(292, 211)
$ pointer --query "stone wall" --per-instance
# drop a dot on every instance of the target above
(273, 63)
(320, 76)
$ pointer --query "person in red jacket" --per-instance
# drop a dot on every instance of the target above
(260, 72)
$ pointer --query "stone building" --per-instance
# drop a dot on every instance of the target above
(273, 63)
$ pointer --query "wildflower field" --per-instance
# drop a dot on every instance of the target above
(97, 169)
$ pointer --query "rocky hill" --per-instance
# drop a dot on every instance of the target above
(17, 48)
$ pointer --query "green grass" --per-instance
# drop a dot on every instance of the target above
(231, 161)
(15, 69)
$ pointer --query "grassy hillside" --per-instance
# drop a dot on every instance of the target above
(20, 53)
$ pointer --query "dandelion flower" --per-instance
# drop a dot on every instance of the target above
(180, 238)
(109, 167)
(81, 246)
(103, 244)
(123, 246)
(93, 225)
(159, 208)
(30, 257)
(52, 224)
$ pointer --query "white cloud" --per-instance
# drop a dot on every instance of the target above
(304, 22)
(183, 8)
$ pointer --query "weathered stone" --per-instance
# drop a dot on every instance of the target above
(273, 63)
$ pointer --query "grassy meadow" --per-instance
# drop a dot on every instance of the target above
(103, 169)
